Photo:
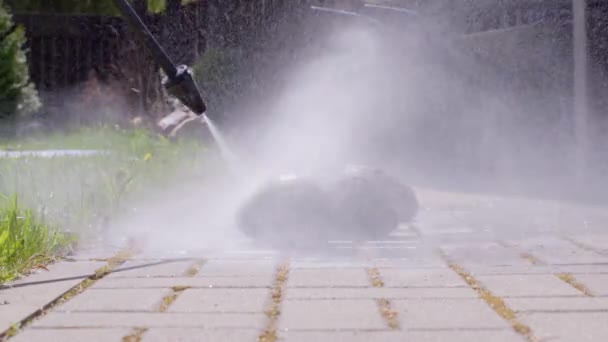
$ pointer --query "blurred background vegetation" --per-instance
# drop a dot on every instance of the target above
(72, 77)
(17, 94)
(82, 6)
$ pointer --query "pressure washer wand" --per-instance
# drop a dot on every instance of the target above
(179, 82)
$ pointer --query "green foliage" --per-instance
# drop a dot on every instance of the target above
(25, 240)
(83, 6)
(17, 94)
(157, 6)
(63, 6)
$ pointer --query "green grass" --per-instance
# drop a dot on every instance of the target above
(26, 241)
(80, 193)
(83, 195)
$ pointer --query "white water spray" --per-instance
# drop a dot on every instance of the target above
(225, 151)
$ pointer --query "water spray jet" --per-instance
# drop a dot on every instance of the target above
(360, 204)
(227, 153)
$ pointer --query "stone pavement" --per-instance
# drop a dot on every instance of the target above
(469, 269)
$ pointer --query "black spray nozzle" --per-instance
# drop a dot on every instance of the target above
(179, 81)
(184, 88)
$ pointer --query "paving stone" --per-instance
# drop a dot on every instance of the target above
(330, 314)
(13, 313)
(333, 300)
(197, 335)
(328, 278)
(557, 304)
(491, 254)
(331, 264)
(597, 283)
(244, 250)
(151, 268)
(221, 300)
(513, 270)
(414, 262)
(116, 300)
(540, 269)
(31, 293)
(150, 320)
(569, 256)
(340, 336)
(243, 268)
(527, 285)
(34, 296)
(446, 313)
(71, 335)
(400, 336)
(200, 282)
(421, 278)
(93, 252)
(580, 327)
(377, 293)
(598, 242)
(557, 251)
(582, 269)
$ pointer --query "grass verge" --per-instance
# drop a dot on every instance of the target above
(83, 195)
(26, 242)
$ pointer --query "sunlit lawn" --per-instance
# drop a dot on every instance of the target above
(45, 198)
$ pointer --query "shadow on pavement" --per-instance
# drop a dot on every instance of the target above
(118, 270)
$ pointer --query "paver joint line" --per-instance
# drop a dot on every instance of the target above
(113, 262)
(374, 276)
(178, 290)
(135, 336)
(169, 299)
(571, 280)
(584, 246)
(531, 258)
(495, 302)
(269, 334)
(386, 311)
(195, 268)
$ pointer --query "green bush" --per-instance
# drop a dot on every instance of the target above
(83, 6)
(17, 94)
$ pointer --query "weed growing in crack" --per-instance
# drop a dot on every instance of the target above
(26, 242)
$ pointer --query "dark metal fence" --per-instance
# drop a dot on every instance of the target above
(68, 53)
(64, 49)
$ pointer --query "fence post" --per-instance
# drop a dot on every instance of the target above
(581, 105)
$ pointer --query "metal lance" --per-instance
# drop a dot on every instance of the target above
(179, 81)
